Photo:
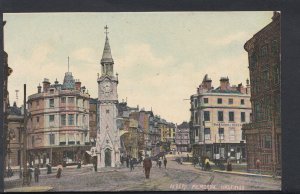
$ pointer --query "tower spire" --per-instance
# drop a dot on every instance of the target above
(106, 56)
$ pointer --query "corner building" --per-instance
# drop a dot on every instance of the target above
(263, 134)
(58, 122)
(108, 136)
(217, 116)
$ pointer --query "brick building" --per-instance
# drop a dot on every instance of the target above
(263, 134)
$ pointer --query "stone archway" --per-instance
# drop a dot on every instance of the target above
(107, 157)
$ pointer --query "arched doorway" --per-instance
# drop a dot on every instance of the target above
(107, 157)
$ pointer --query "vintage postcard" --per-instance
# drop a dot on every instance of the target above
(142, 101)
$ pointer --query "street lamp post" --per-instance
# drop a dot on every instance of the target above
(51, 147)
(25, 170)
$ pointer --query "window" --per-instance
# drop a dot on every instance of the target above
(32, 141)
(205, 100)
(197, 132)
(71, 119)
(220, 116)
(230, 101)
(63, 99)
(71, 100)
(231, 116)
(51, 103)
(195, 103)
(274, 47)
(51, 91)
(242, 101)
(51, 118)
(253, 60)
(76, 120)
(221, 133)
(243, 135)
(264, 51)
(243, 115)
(206, 116)
(207, 133)
(219, 100)
(37, 119)
(37, 103)
(51, 139)
(231, 134)
(266, 79)
(267, 141)
(276, 74)
(63, 120)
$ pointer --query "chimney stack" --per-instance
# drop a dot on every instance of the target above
(248, 88)
(206, 82)
(46, 84)
(224, 83)
(77, 84)
(39, 88)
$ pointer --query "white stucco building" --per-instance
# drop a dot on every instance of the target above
(217, 116)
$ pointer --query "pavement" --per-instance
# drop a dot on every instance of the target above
(30, 189)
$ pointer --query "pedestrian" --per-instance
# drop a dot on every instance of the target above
(207, 165)
(159, 163)
(49, 168)
(195, 161)
(37, 172)
(131, 164)
(188, 158)
(147, 164)
(122, 160)
(229, 165)
(30, 171)
(127, 161)
(59, 171)
(165, 162)
(79, 164)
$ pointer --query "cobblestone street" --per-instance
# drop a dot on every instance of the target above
(175, 177)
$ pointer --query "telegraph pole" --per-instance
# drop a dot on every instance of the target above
(25, 170)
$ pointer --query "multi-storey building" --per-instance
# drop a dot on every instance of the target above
(182, 137)
(217, 116)
(7, 72)
(93, 120)
(263, 134)
(15, 120)
(58, 122)
(171, 127)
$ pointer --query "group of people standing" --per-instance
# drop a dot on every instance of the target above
(161, 160)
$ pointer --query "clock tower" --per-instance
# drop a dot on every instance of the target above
(108, 137)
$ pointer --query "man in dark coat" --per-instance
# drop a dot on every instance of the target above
(165, 162)
(147, 164)
(131, 164)
(36, 174)
(127, 161)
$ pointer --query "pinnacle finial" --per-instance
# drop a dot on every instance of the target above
(106, 28)
(68, 63)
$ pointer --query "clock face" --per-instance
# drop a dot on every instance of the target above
(106, 87)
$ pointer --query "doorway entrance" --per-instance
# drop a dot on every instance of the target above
(107, 157)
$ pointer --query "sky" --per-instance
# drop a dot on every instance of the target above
(161, 57)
